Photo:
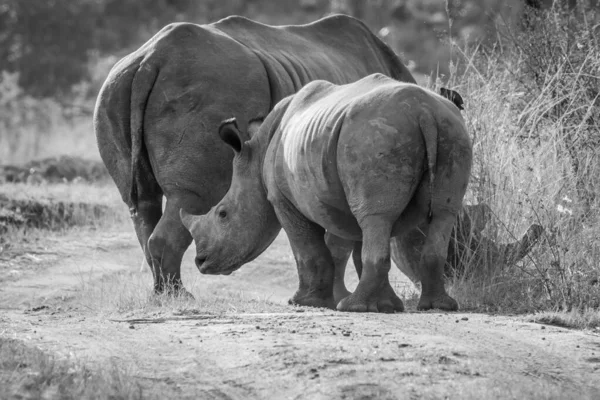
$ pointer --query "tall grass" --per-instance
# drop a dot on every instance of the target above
(533, 113)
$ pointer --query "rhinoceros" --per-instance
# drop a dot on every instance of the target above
(159, 110)
(367, 161)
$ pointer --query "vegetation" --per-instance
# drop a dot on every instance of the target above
(28, 213)
(588, 318)
(29, 373)
(128, 294)
(56, 207)
(73, 45)
(533, 111)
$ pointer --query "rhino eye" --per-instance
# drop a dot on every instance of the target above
(222, 214)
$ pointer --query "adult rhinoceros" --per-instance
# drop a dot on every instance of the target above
(157, 115)
(367, 161)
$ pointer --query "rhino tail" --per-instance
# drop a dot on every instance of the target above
(429, 131)
(143, 81)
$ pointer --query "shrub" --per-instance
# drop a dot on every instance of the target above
(533, 112)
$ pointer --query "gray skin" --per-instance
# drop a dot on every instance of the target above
(366, 161)
(158, 113)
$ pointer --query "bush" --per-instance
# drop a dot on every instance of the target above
(533, 112)
(561, 71)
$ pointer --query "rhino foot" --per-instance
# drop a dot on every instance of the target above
(385, 302)
(312, 300)
(442, 302)
(389, 294)
(340, 292)
(184, 294)
(174, 291)
(354, 304)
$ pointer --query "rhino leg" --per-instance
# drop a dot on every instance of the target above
(387, 294)
(165, 249)
(357, 258)
(148, 212)
(340, 250)
(146, 218)
(431, 265)
(313, 259)
(374, 292)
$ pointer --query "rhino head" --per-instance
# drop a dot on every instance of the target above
(243, 224)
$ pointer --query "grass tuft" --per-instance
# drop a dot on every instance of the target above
(29, 373)
(578, 319)
(25, 209)
(129, 293)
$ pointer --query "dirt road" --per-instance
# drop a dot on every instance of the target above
(215, 351)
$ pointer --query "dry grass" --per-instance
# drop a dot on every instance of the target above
(34, 218)
(27, 208)
(105, 194)
(129, 293)
(535, 161)
(579, 319)
(263, 285)
(29, 373)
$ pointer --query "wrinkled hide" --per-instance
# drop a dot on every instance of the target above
(368, 161)
(158, 112)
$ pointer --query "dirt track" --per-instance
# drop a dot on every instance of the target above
(291, 352)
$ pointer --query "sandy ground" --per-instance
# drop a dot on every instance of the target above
(281, 352)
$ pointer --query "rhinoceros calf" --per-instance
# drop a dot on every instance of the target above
(365, 161)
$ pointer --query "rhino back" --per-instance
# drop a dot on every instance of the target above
(391, 136)
(306, 147)
(345, 150)
(338, 49)
(189, 77)
(201, 77)
(310, 129)
(211, 79)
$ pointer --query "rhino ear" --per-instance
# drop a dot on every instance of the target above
(230, 134)
(453, 96)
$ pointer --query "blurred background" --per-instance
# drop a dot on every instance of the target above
(55, 54)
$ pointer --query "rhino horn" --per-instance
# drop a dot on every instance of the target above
(515, 252)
